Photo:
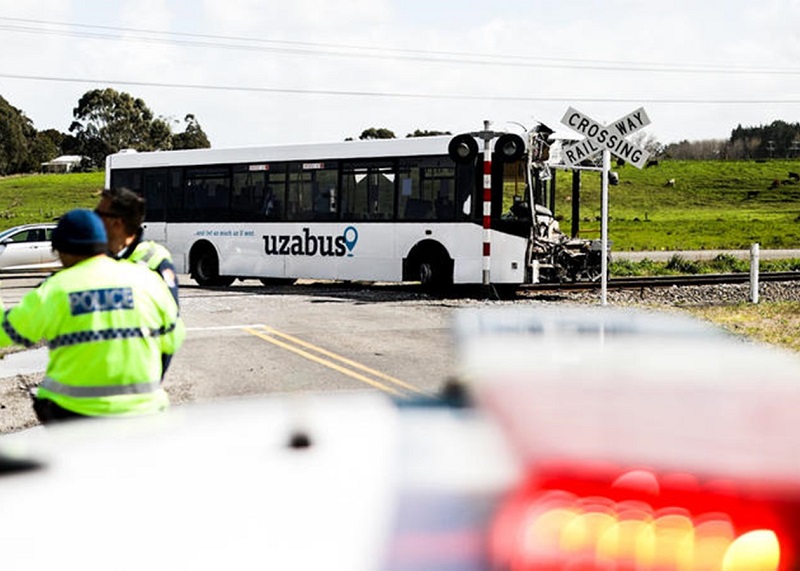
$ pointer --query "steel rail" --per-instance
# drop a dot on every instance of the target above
(666, 281)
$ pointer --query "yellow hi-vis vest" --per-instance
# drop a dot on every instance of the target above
(106, 324)
(157, 258)
(151, 254)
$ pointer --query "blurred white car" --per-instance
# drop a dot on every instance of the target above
(28, 247)
(591, 440)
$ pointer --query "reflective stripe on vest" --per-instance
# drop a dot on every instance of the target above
(12, 333)
(107, 335)
(98, 392)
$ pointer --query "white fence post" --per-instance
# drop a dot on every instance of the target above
(754, 273)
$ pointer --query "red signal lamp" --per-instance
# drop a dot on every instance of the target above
(600, 518)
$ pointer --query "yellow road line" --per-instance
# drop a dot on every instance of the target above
(324, 362)
(344, 360)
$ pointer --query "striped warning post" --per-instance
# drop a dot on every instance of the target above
(487, 209)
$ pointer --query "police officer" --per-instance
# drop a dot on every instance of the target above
(122, 211)
(110, 328)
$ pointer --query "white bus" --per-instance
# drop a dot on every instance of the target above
(381, 210)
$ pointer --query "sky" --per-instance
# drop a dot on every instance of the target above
(257, 72)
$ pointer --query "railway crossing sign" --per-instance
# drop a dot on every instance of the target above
(609, 137)
(606, 139)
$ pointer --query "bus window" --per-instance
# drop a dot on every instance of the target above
(129, 178)
(155, 193)
(509, 186)
(247, 193)
(208, 194)
(274, 196)
(312, 192)
(445, 205)
(468, 192)
(325, 195)
(427, 192)
(514, 183)
(299, 198)
(175, 195)
(368, 192)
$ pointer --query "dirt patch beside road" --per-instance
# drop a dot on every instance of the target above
(16, 412)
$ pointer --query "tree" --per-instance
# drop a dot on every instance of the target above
(648, 142)
(418, 133)
(17, 135)
(54, 137)
(193, 136)
(107, 121)
(766, 141)
(709, 149)
(46, 146)
(373, 133)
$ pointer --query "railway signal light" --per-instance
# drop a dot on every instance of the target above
(463, 148)
(509, 147)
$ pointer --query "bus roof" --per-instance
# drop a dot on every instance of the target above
(376, 148)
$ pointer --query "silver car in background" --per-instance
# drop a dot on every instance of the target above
(28, 247)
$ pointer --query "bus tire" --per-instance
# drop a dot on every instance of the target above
(435, 272)
(205, 267)
(429, 263)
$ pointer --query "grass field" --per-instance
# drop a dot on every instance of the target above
(773, 323)
(43, 197)
(710, 205)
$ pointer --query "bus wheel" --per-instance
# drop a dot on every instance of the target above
(205, 269)
(435, 273)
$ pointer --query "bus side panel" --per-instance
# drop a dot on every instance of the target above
(156, 231)
(343, 251)
(461, 240)
(336, 251)
(243, 253)
(508, 258)
(464, 244)
(240, 248)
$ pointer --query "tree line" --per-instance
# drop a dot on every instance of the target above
(778, 140)
(384, 133)
(105, 121)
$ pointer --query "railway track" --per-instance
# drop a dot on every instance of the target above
(11, 281)
(667, 281)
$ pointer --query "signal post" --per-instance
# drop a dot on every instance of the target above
(463, 149)
(606, 139)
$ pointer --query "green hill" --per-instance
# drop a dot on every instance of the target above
(43, 197)
(692, 205)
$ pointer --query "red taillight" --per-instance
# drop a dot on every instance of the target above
(599, 518)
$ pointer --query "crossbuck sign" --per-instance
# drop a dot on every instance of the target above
(609, 137)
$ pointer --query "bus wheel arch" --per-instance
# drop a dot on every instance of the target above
(429, 263)
(204, 265)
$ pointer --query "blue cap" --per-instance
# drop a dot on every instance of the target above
(80, 232)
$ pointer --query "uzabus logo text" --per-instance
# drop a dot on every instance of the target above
(308, 244)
